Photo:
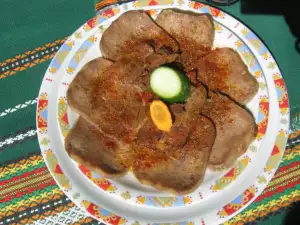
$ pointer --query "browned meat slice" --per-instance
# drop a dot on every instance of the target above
(224, 70)
(235, 126)
(80, 86)
(178, 168)
(175, 161)
(108, 98)
(195, 102)
(87, 146)
(133, 28)
(195, 33)
(192, 75)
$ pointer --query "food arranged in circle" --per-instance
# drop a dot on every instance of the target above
(162, 102)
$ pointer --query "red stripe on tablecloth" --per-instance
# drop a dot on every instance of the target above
(277, 188)
(16, 179)
(29, 189)
(284, 168)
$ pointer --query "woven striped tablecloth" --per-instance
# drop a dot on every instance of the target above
(30, 37)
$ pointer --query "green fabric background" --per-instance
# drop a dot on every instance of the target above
(26, 25)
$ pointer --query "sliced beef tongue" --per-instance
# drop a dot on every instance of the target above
(101, 153)
(224, 70)
(194, 32)
(111, 102)
(236, 129)
(103, 97)
(132, 29)
(175, 161)
(79, 91)
(115, 131)
(196, 101)
(220, 69)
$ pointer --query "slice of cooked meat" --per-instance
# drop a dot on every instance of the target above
(136, 66)
(236, 130)
(81, 85)
(155, 60)
(133, 28)
(194, 32)
(195, 102)
(175, 161)
(224, 70)
(107, 97)
(192, 75)
(88, 146)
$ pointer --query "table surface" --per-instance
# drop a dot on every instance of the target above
(30, 37)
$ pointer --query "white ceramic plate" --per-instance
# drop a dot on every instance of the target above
(125, 201)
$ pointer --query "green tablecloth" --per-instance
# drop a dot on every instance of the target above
(31, 33)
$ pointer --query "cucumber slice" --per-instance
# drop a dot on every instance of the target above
(170, 84)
